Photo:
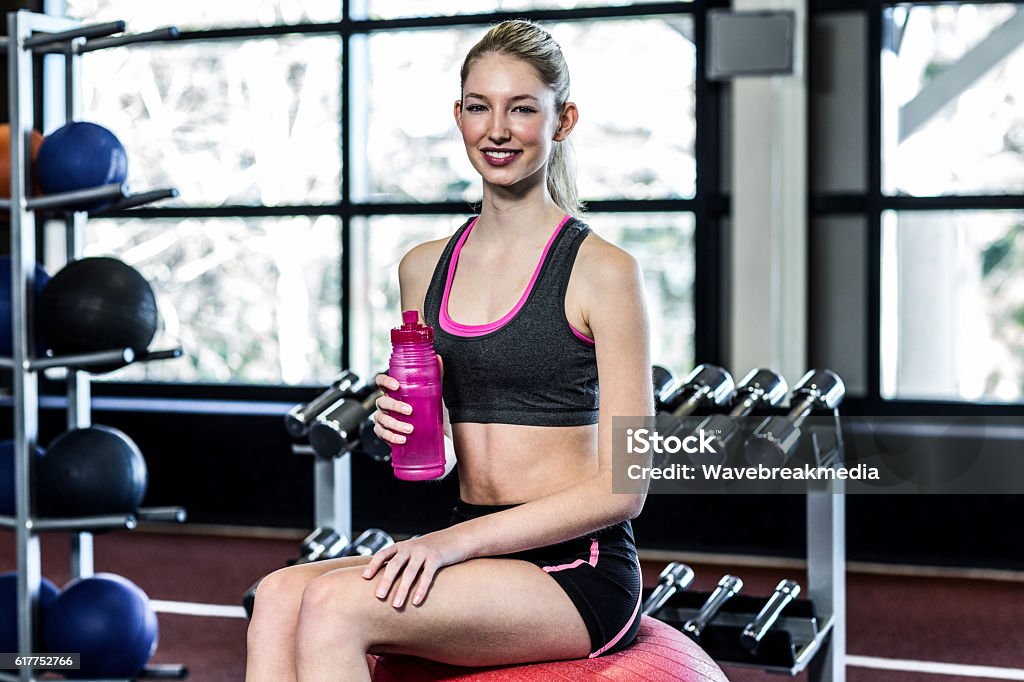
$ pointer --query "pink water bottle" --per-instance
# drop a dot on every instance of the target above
(415, 366)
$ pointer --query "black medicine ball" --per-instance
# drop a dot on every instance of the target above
(97, 304)
(91, 471)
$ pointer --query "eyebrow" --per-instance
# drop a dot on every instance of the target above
(514, 98)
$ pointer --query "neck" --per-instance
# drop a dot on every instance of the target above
(511, 213)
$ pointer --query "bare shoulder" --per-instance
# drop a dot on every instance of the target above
(417, 265)
(606, 268)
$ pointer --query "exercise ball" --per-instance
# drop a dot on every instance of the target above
(91, 471)
(108, 620)
(9, 608)
(7, 478)
(80, 155)
(7, 304)
(96, 304)
(659, 652)
(5, 160)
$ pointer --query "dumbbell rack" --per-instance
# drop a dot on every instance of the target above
(29, 35)
(811, 633)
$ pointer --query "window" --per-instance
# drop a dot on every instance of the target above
(952, 185)
(277, 264)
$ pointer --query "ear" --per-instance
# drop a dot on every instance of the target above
(458, 113)
(566, 121)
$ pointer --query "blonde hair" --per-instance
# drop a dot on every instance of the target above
(527, 41)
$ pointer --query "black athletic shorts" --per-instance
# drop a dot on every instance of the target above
(599, 572)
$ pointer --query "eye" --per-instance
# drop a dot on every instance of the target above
(474, 107)
(525, 109)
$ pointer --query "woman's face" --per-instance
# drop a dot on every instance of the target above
(508, 120)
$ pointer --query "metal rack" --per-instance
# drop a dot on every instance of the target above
(811, 632)
(31, 34)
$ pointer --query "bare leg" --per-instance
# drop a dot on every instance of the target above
(480, 612)
(270, 641)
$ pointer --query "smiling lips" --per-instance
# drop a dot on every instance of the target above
(499, 157)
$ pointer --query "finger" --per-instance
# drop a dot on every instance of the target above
(387, 382)
(391, 571)
(388, 436)
(378, 560)
(388, 404)
(409, 574)
(426, 580)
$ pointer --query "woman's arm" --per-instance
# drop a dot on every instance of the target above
(614, 307)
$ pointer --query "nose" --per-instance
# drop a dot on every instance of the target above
(498, 131)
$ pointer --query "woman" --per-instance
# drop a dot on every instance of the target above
(539, 563)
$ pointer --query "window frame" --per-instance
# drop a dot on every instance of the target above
(873, 203)
(707, 205)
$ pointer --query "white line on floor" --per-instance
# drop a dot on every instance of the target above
(874, 662)
(185, 608)
(982, 671)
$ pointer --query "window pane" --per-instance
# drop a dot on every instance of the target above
(200, 14)
(953, 100)
(663, 245)
(393, 9)
(661, 242)
(235, 122)
(953, 305)
(249, 300)
(385, 239)
(636, 133)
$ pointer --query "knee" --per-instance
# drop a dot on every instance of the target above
(278, 595)
(334, 606)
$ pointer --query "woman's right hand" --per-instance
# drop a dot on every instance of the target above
(387, 427)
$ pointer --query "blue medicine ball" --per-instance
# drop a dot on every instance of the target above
(108, 620)
(7, 478)
(80, 155)
(7, 303)
(9, 608)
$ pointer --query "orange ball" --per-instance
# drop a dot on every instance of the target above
(5, 160)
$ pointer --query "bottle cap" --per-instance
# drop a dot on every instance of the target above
(411, 330)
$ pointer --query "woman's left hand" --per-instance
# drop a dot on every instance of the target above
(413, 562)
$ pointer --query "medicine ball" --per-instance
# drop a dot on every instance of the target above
(91, 471)
(7, 304)
(5, 161)
(9, 608)
(7, 478)
(96, 304)
(80, 155)
(108, 620)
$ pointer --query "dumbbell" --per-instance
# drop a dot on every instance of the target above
(762, 387)
(774, 440)
(322, 543)
(371, 444)
(300, 417)
(728, 587)
(369, 542)
(337, 430)
(660, 379)
(706, 385)
(675, 577)
(785, 592)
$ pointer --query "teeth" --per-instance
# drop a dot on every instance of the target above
(499, 155)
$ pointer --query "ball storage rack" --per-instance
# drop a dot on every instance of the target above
(30, 35)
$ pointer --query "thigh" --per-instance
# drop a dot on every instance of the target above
(480, 612)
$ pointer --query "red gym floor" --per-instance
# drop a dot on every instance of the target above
(924, 626)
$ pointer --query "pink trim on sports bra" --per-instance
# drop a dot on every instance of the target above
(581, 336)
(453, 327)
